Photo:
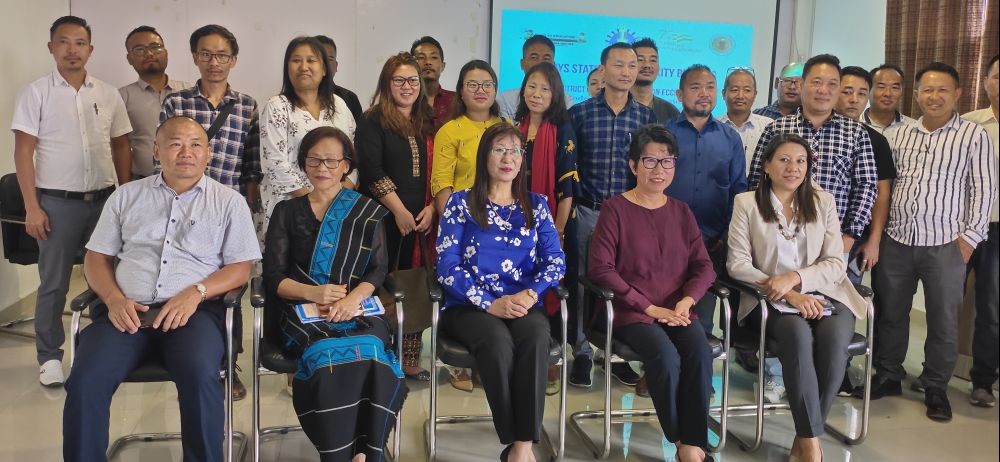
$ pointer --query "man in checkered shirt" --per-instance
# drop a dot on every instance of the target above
(235, 148)
(845, 163)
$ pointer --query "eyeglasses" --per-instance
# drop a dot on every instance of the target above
(791, 81)
(155, 49)
(398, 82)
(329, 163)
(651, 162)
(499, 151)
(739, 69)
(486, 85)
(222, 58)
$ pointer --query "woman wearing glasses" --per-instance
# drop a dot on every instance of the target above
(305, 103)
(498, 253)
(647, 248)
(392, 149)
(785, 238)
(326, 253)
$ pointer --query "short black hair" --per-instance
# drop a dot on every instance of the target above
(326, 41)
(645, 42)
(141, 29)
(937, 66)
(427, 39)
(888, 67)
(824, 58)
(651, 133)
(536, 40)
(214, 29)
(989, 65)
(617, 45)
(857, 72)
(693, 68)
(740, 70)
(69, 20)
(318, 134)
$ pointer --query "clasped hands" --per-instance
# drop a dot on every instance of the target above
(334, 301)
(124, 312)
(680, 315)
(513, 306)
(782, 287)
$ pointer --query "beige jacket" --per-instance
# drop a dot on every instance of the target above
(753, 253)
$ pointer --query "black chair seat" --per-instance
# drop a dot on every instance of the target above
(455, 354)
(272, 358)
(151, 369)
(746, 339)
(625, 352)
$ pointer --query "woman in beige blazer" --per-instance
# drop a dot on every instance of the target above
(785, 238)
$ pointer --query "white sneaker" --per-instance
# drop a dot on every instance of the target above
(773, 391)
(51, 373)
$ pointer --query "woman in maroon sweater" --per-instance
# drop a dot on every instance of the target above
(648, 250)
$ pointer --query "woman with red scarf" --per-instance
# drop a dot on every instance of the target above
(550, 157)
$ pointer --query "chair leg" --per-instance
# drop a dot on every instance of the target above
(432, 420)
(229, 385)
(255, 417)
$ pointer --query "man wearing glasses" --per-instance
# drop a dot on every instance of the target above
(789, 87)
(230, 118)
(144, 97)
(739, 92)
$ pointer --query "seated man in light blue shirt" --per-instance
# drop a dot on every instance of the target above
(181, 240)
(536, 49)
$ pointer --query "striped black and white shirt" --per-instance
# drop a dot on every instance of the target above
(945, 185)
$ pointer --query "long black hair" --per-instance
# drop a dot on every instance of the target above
(325, 84)
(556, 114)
(479, 193)
(805, 194)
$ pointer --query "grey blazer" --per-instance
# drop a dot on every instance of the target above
(753, 253)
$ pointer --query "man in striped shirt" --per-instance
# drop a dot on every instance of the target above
(938, 214)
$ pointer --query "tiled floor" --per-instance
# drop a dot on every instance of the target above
(30, 421)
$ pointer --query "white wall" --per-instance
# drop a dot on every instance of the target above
(25, 31)
(854, 30)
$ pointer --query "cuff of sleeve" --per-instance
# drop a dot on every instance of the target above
(636, 300)
(972, 238)
(382, 187)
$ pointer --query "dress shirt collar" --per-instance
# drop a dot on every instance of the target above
(897, 117)
(682, 119)
(953, 124)
(835, 119)
(57, 79)
(748, 124)
(196, 91)
(159, 183)
(776, 203)
(144, 85)
(629, 103)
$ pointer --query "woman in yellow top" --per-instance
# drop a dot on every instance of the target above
(454, 164)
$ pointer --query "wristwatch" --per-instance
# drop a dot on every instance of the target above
(201, 290)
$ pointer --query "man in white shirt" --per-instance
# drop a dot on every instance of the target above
(739, 91)
(144, 97)
(887, 90)
(939, 212)
(986, 261)
(70, 149)
(536, 49)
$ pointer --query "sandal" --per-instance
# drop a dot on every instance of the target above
(421, 374)
(459, 378)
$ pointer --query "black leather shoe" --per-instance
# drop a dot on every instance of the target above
(239, 390)
(581, 374)
(624, 374)
(747, 359)
(881, 386)
(938, 406)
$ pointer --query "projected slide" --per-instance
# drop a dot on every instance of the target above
(579, 39)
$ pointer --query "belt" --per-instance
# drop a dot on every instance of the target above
(95, 195)
(587, 203)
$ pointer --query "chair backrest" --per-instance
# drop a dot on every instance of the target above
(18, 246)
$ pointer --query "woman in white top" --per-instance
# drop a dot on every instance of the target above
(306, 102)
(785, 238)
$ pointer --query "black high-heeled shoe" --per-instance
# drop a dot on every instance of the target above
(505, 453)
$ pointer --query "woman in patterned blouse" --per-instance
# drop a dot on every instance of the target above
(498, 252)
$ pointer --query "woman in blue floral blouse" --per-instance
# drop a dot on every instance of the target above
(498, 252)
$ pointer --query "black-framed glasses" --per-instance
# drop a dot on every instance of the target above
(740, 69)
(499, 151)
(329, 163)
(650, 163)
(222, 58)
(398, 82)
(486, 85)
(155, 49)
(791, 81)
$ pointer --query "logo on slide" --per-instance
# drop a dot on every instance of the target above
(680, 39)
(722, 44)
(621, 34)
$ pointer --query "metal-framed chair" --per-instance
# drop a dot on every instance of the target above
(617, 352)
(445, 350)
(746, 338)
(270, 359)
(152, 369)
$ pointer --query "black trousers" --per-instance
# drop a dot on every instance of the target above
(678, 365)
(511, 358)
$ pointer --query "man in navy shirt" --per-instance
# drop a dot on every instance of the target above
(711, 169)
